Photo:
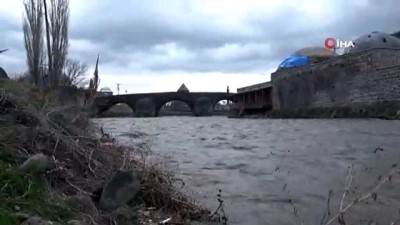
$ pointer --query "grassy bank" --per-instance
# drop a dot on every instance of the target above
(81, 162)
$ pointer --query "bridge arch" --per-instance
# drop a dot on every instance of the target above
(179, 103)
(117, 109)
(221, 105)
(223, 98)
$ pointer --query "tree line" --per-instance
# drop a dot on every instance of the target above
(49, 65)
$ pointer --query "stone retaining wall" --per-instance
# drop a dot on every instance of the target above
(359, 80)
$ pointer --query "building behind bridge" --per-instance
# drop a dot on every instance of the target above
(105, 91)
(178, 106)
(364, 81)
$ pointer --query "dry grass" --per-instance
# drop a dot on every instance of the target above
(371, 194)
(332, 216)
(34, 122)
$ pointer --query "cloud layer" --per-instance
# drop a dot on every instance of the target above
(151, 45)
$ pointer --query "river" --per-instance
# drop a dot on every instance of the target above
(263, 165)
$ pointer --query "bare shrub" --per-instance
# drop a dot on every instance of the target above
(75, 71)
(372, 194)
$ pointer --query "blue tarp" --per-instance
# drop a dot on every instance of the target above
(294, 61)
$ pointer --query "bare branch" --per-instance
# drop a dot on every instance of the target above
(75, 72)
(327, 213)
(372, 193)
(93, 84)
(59, 18)
(33, 39)
(349, 180)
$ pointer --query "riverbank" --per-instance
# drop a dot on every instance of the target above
(385, 110)
(56, 167)
(122, 110)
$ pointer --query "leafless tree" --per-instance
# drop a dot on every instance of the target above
(59, 19)
(93, 84)
(33, 38)
(49, 58)
(75, 72)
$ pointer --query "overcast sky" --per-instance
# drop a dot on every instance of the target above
(156, 45)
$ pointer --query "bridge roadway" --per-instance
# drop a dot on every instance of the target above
(149, 104)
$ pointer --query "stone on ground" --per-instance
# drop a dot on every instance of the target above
(74, 222)
(37, 164)
(125, 215)
(36, 221)
(3, 74)
(120, 189)
(81, 203)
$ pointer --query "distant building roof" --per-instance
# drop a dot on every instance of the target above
(315, 51)
(374, 40)
(183, 88)
(255, 87)
(396, 34)
(294, 61)
(105, 89)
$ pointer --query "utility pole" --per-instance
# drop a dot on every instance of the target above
(118, 88)
(229, 103)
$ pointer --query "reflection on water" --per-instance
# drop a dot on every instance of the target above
(262, 165)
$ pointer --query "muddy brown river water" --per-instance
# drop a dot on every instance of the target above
(263, 165)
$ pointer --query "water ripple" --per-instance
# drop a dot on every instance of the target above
(262, 164)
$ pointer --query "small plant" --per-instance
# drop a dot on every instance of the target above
(372, 194)
(219, 213)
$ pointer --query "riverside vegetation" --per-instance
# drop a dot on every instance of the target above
(56, 167)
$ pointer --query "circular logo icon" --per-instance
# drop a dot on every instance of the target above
(330, 43)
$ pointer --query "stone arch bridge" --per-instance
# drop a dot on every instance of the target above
(149, 104)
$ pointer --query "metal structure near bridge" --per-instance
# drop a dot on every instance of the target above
(252, 99)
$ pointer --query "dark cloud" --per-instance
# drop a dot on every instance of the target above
(136, 36)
